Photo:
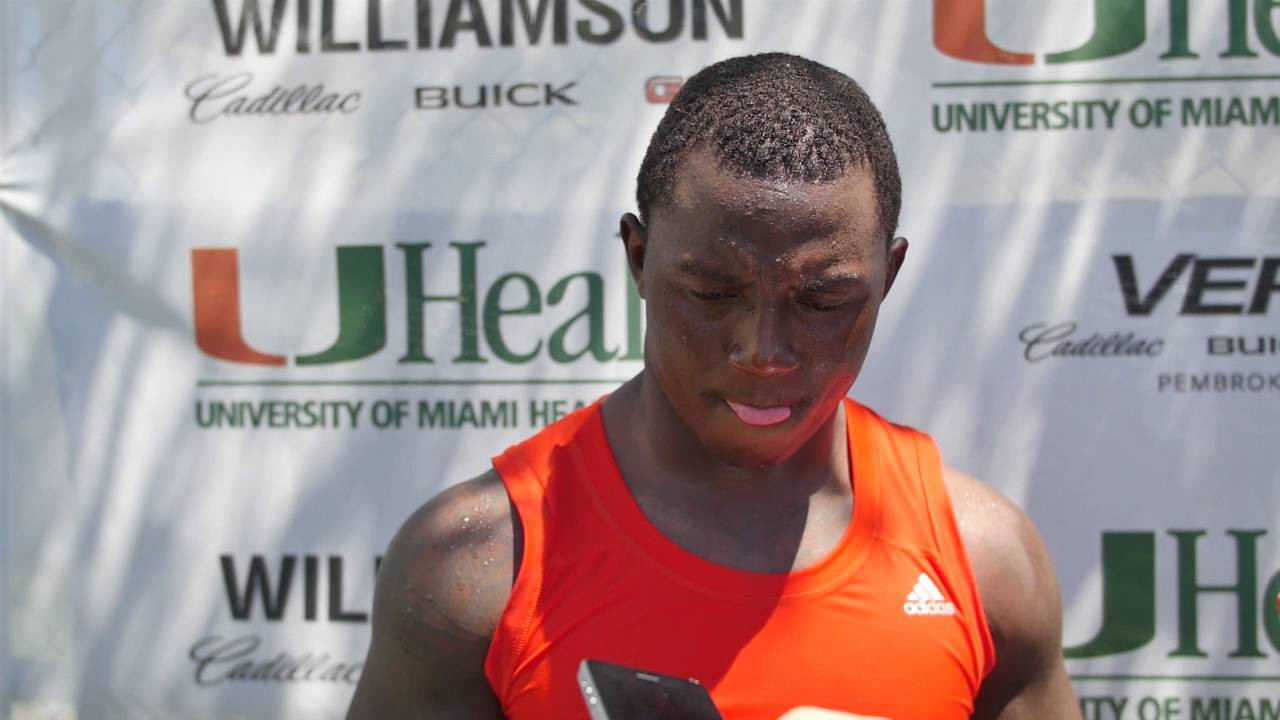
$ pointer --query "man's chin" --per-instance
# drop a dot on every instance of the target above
(752, 456)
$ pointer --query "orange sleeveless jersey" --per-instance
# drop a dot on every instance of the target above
(889, 623)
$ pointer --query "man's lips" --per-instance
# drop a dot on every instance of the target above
(760, 416)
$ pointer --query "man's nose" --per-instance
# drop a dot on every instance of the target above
(762, 345)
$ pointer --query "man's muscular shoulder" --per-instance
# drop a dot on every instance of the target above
(1020, 595)
(1009, 560)
(450, 565)
(442, 586)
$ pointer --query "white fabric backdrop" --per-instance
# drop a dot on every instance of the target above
(142, 213)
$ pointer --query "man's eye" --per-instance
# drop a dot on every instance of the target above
(822, 305)
(710, 295)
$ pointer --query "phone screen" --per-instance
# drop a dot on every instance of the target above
(617, 692)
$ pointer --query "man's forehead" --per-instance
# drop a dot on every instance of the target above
(723, 223)
(802, 267)
(707, 187)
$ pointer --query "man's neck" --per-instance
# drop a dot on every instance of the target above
(640, 414)
(773, 519)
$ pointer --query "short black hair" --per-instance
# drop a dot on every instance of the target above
(773, 116)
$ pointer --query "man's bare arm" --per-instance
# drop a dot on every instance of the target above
(441, 588)
(1024, 609)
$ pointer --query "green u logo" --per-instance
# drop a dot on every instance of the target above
(1129, 595)
(960, 31)
(362, 307)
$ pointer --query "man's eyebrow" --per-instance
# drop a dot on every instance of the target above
(833, 281)
(692, 267)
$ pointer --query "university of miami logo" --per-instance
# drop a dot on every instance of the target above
(485, 312)
(362, 301)
(1129, 595)
(1120, 27)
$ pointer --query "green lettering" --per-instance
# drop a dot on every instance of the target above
(1235, 112)
(432, 414)
(539, 413)
(362, 307)
(497, 414)
(416, 300)
(1179, 32)
(1271, 613)
(635, 322)
(465, 416)
(1197, 112)
(594, 314)
(1265, 111)
(1245, 590)
(1120, 27)
(1239, 38)
(1264, 23)
(1210, 710)
(1128, 596)
(493, 312)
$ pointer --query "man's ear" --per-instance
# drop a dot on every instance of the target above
(635, 238)
(897, 256)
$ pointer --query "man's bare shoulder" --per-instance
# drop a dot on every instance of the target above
(1004, 548)
(442, 587)
(1020, 595)
(451, 561)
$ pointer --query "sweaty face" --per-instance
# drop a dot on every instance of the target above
(761, 300)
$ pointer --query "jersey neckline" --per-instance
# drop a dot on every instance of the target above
(605, 482)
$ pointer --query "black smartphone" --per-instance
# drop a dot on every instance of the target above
(617, 692)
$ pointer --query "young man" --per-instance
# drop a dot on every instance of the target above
(728, 514)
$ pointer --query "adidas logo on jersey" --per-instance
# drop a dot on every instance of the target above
(926, 599)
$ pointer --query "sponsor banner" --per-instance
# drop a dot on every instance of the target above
(277, 271)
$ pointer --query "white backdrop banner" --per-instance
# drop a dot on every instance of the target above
(275, 272)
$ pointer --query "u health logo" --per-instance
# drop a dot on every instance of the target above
(1130, 595)
(1120, 27)
(485, 311)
